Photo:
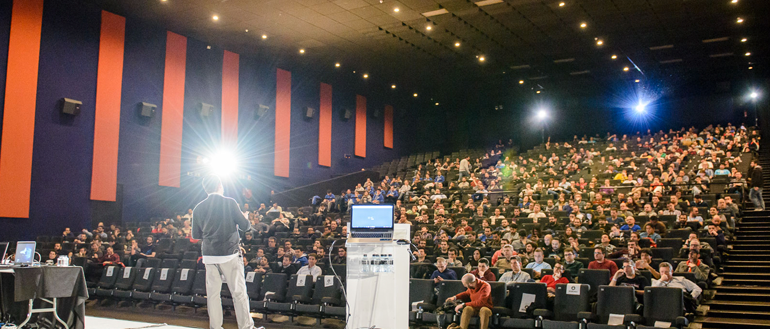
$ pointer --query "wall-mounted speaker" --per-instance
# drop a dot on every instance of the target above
(346, 114)
(376, 113)
(260, 111)
(147, 110)
(205, 109)
(309, 112)
(70, 106)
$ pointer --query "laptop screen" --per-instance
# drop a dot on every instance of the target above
(369, 216)
(25, 252)
(3, 249)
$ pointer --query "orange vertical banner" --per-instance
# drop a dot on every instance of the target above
(19, 113)
(109, 82)
(360, 149)
(230, 71)
(325, 127)
(282, 123)
(388, 132)
(172, 112)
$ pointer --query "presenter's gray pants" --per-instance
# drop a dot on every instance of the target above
(236, 282)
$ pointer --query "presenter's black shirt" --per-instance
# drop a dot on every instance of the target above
(216, 221)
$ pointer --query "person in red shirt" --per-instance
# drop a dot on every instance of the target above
(477, 301)
(552, 279)
(483, 272)
(602, 264)
(110, 258)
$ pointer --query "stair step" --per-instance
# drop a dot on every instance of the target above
(728, 289)
(741, 262)
(750, 241)
(739, 314)
(716, 322)
(743, 275)
(740, 282)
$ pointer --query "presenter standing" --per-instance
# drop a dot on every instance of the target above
(216, 221)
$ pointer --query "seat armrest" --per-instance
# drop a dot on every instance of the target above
(680, 321)
(543, 312)
(636, 318)
(586, 316)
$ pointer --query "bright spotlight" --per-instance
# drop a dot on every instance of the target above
(754, 95)
(223, 164)
(641, 107)
(541, 115)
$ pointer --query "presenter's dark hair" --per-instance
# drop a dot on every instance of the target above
(211, 183)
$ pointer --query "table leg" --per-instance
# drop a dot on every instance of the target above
(56, 315)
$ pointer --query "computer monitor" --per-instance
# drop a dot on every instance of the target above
(25, 253)
(371, 217)
(4, 249)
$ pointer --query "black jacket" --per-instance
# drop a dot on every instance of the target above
(216, 221)
(756, 177)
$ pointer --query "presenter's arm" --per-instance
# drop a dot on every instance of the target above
(197, 232)
(240, 219)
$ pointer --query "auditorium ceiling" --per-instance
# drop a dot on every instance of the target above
(530, 44)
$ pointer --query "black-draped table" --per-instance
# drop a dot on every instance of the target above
(41, 289)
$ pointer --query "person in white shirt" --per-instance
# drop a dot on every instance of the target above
(310, 268)
(515, 274)
(667, 279)
(465, 167)
(536, 213)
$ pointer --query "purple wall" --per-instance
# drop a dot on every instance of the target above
(62, 158)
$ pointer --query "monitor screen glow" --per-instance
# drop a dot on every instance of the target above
(372, 217)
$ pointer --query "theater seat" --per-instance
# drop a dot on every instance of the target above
(199, 289)
(612, 300)
(594, 279)
(142, 284)
(326, 293)
(518, 304)
(664, 304)
(161, 285)
(446, 289)
(273, 290)
(182, 287)
(300, 290)
(421, 295)
(106, 282)
(567, 304)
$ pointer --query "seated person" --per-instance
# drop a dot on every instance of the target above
(515, 274)
(601, 263)
(442, 273)
(552, 279)
(570, 264)
(630, 225)
(311, 268)
(538, 264)
(649, 233)
(504, 262)
(629, 278)
(482, 271)
(691, 290)
(477, 301)
(694, 265)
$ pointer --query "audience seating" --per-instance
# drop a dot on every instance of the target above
(566, 307)
(612, 300)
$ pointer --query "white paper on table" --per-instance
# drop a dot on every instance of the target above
(328, 280)
(616, 319)
(662, 324)
(250, 277)
(163, 274)
(301, 280)
(126, 272)
(414, 305)
(526, 299)
(573, 289)
(146, 275)
(183, 275)
(110, 270)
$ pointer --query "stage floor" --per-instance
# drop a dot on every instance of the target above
(107, 323)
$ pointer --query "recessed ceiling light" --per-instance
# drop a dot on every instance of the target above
(740, 20)
(264, 36)
(614, 57)
(396, 9)
(457, 44)
(521, 82)
(428, 27)
(302, 51)
(583, 25)
(366, 76)
(336, 64)
(481, 58)
(734, 1)
(599, 42)
(748, 54)
(415, 95)
(637, 80)
(538, 91)
(561, 4)
(751, 67)
(247, 30)
(208, 47)
(744, 40)
(163, 0)
(436, 103)
(625, 69)
(215, 17)
(392, 86)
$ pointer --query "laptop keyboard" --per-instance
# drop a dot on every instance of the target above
(372, 235)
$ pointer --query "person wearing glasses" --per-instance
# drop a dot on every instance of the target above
(629, 278)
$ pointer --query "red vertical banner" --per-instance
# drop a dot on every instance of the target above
(230, 72)
(325, 127)
(282, 123)
(360, 149)
(172, 112)
(20, 102)
(388, 132)
(109, 82)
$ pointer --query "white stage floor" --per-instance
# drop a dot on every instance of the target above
(106, 323)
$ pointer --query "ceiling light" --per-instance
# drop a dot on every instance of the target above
(744, 40)
(247, 30)
(521, 82)
(396, 9)
(754, 95)
(428, 27)
(392, 86)
(302, 51)
(336, 64)
(614, 57)
(599, 42)
(625, 69)
(415, 95)
(208, 47)
(435, 12)
(163, 0)
(734, 1)
(637, 80)
(264, 36)
(740, 20)
(457, 44)
(436, 103)
(481, 58)
(538, 91)
(215, 17)
(487, 2)
(366, 76)
(583, 25)
(561, 4)
(751, 67)
(747, 54)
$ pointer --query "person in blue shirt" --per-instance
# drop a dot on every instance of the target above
(722, 170)
(649, 232)
(299, 257)
(330, 199)
(378, 196)
(442, 273)
(487, 234)
(439, 178)
(630, 225)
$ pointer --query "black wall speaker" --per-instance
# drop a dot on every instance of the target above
(70, 106)
(346, 114)
(147, 110)
(205, 109)
(260, 111)
(309, 112)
